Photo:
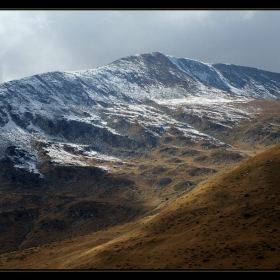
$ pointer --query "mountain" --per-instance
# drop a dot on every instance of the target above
(103, 108)
(90, 150)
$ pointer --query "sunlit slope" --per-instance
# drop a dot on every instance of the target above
(231, 222)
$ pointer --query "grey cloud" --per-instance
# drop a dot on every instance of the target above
(41, 41)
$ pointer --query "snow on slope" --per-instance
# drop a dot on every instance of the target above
(80, 157)
(97, 97)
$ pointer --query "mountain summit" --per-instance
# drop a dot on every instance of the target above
(101, 108)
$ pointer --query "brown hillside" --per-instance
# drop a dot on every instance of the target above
(231, 222)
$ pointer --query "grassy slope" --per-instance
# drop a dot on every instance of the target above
(229, 222)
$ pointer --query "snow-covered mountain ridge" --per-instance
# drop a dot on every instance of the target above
(149, 76)
(130, 104)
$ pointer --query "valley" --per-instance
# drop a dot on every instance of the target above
(229, 221)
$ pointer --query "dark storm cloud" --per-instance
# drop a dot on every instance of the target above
(40, 41)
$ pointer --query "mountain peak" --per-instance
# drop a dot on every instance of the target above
(46, 104)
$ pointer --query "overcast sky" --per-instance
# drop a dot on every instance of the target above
(38, 41)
